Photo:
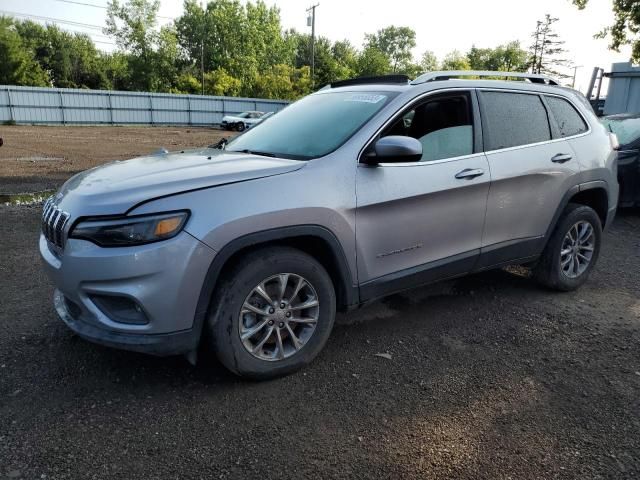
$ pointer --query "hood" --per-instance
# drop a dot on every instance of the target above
(116, 187)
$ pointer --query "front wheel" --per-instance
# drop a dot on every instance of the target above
(272, 314)
(573, 249)
(241, 127)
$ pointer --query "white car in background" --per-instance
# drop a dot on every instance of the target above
(242, 121)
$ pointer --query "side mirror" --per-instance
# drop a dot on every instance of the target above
(394, 148)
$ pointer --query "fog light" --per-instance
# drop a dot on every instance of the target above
(121, 309)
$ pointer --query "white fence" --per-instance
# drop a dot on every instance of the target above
(67, 106)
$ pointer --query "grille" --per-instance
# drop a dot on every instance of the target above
(53, 222)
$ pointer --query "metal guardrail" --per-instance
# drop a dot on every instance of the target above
(65, 106)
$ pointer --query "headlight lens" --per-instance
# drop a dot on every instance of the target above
(129, 231)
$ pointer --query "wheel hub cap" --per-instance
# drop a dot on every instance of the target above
(278, 317)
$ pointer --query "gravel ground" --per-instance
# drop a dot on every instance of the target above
(489, 377)
(37, 158)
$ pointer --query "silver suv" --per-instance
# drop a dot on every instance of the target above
(365, 188)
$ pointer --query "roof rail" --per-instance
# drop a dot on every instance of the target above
(446, 75)
(391, 79)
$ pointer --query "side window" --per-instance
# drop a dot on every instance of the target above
(443, 125)
(513, 119)
(569, 120)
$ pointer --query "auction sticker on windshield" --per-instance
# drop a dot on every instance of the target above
(366, 98)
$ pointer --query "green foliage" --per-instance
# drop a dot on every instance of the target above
(456, 60)
(240, 45)
(372, 61)
(429, 62)
(396, 43)
(509, 57)
(626, 26)
(18, 65)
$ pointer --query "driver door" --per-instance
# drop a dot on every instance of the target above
(417, 222)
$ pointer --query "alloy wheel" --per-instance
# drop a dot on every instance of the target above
(278, 317)
(577, 249)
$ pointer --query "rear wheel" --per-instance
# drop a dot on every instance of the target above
(272, 314)
(572, 250)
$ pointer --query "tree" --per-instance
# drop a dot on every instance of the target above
(284, 81)
(625, 28)
(372, 62)
(396, 43)
(17, 63)
(153, 57)
(507, 58)
(455, 60)
(547, 49)
(429, 62)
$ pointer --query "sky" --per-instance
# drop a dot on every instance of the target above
(440, 26)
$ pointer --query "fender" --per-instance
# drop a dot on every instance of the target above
(565, 201)
(350, 294)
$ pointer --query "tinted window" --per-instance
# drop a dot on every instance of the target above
(512, 119)
(314, 126)
(569, 121)
(443, 126)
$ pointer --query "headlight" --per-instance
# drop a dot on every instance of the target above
(126, 231)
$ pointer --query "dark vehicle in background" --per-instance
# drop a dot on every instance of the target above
(626, 126)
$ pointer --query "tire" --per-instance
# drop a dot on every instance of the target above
(550, 271)
(238, 288)
(241, 127)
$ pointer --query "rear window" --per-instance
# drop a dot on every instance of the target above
(568, 119)
(513, 119)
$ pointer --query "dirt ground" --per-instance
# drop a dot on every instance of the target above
(38, 158)
(490, 377)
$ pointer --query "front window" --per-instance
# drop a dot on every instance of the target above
(312, 127)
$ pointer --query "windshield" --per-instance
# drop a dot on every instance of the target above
(312, 127)
(243, 115)
(627, 130)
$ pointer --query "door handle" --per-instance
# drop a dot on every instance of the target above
(469, 173)
(561, 158)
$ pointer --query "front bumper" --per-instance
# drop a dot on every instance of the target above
(164, 279)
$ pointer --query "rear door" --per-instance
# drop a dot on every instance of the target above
(532, 167)
(419, 221)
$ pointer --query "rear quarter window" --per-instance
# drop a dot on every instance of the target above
(568, 119)
(513, 119)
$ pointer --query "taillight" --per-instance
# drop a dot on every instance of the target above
(613, 139)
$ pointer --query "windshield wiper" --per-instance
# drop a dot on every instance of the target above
(219, 144)
(256, 152)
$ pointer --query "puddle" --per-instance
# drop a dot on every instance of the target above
(25, 198)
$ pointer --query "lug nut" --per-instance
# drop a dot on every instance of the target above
(281, 324)
(288, 314)
(270, 322)
(282, 305)
(271, 310)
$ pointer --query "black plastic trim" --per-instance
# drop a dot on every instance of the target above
(351, 294)
(510, 251)
(454, 266)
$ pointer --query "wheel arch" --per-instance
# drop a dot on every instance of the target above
(315, 240)
(592, 194)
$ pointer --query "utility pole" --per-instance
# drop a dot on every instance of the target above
(202, 45)
(311, 22)
(575, 70)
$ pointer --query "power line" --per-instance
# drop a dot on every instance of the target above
(51, 19)
(93, 5)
